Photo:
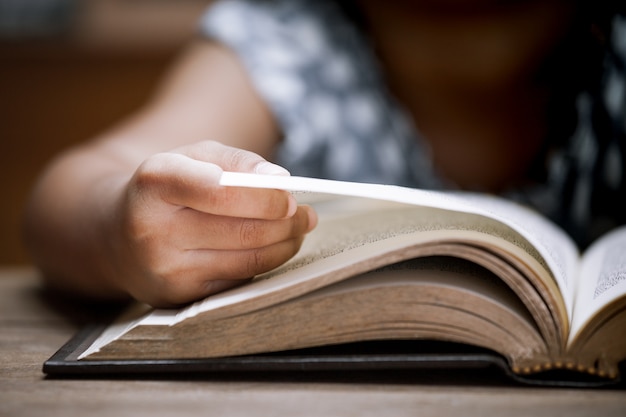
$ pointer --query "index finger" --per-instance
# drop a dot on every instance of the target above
(187, 182)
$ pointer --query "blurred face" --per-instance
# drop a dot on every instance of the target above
(468, 42)
(467, 71)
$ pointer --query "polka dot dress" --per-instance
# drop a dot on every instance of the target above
(315, 71)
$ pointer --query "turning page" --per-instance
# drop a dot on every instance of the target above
(553, 244)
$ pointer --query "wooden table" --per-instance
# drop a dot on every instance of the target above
(34, 324)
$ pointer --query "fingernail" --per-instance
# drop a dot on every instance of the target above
(312, 219)
(293, 206)
(268, 168)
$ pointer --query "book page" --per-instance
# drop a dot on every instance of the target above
(558, 257)
(602, 278)
(553, 244)
(560, 252)
(354, 235)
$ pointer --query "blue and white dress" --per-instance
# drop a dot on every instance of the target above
(316, 72)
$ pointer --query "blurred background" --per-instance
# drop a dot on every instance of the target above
(68, 69)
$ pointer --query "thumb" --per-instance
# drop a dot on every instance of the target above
(231, 159)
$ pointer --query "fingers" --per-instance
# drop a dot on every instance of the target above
(230, 159)
(205, 272)
(187, 237)
(197, 230)
(182, 181)
(233, 265)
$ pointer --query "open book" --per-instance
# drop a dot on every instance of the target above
(392, 263)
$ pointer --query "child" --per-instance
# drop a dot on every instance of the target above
(524, 98)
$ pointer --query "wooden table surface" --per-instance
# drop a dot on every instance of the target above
(34, 324)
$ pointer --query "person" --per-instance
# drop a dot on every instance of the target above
(523, 98)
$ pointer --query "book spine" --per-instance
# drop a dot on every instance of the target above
(599, 369)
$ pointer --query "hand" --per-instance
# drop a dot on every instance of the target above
(179, 236)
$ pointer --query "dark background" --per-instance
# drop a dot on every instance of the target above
(68, 69)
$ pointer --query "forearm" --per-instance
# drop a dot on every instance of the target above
(67, 220)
